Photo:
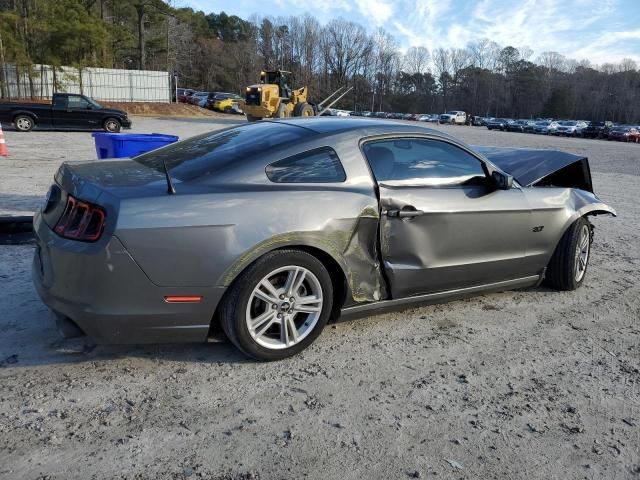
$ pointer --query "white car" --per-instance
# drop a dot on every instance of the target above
(551, 128)
(566, 127)
(454, 117)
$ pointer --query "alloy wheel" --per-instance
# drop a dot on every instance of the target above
(582, 252)
(111, 126)
(24, 124)
(284, 307)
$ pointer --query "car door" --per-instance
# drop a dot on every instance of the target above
(444, 225)
(80, 114)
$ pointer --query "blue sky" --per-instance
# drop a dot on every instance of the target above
(598, 30)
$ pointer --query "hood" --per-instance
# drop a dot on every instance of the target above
(531, 168)
(114, 111)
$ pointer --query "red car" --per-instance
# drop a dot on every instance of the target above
(184, 94)
(624, 134)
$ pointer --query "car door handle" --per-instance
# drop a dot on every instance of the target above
(404, 213)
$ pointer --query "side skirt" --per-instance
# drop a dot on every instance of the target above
(375, 308)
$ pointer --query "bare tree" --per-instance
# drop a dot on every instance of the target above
(416, 60)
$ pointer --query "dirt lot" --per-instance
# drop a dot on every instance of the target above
(525, 384)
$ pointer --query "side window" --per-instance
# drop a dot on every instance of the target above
(432, 162)
(321, 165)
(77, 102)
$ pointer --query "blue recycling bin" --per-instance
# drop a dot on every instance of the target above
(122, 145)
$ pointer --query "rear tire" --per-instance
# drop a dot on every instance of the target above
(568, 265)
(287, 329)
(23, 123)
(251, 118)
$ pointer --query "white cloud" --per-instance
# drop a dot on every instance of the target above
(598, 30)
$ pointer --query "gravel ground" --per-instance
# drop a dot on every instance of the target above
(524, 384)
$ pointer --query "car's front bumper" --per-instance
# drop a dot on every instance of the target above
(105, 293)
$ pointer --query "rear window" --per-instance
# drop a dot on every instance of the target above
(321, 165)
(214, 152)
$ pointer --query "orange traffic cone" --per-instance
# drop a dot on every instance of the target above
(4, 151)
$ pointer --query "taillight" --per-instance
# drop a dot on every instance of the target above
(80, 221)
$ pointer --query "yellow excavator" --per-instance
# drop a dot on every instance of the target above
(273, 97)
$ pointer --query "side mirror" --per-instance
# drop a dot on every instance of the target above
(502, 180)
(89, 107)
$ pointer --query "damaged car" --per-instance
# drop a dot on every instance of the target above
(272, 229)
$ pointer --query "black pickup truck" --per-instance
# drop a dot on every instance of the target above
(67, 111)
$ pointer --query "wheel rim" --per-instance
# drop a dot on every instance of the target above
(112, 125)
(582, 253)
(284, 307)
(24, 124)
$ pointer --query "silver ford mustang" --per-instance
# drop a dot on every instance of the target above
(271, 229)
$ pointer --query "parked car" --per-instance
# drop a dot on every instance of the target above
(477, 121)
(455, 117)
(566, 128)
(552, 127)
(519, 125)
(283, 231)
(498, 123)
(66, 111)
(183, 94)
(380, 114)
(541, 126)
(597, 129)
(199, 98)
(529, 126)
(222, 101)
(624, 134)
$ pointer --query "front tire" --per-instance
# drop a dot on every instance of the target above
(303, 109)
(111, 125)
(278, 306)
(568, 265)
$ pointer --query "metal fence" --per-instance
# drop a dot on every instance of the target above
(109, 84)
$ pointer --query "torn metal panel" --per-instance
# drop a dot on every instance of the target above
(530, 167)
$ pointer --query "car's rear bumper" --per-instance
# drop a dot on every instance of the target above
(107, 295)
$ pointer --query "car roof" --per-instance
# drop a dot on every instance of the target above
(328, 125)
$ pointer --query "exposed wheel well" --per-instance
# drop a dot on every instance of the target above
(338, 278)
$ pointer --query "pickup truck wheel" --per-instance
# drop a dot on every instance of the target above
(111, 125)
(23, 123)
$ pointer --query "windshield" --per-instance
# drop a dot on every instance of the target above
(94, 103)
(568, 124)
(452, 113)
(542, 124)
(214, 152)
